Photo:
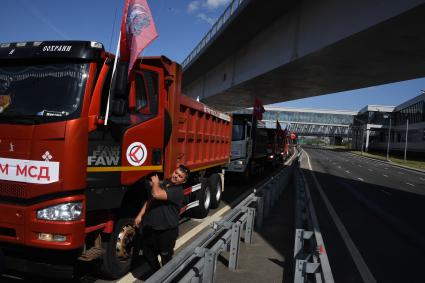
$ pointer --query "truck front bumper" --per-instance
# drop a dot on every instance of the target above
(25, 242)
(237, 166)
(19, 225)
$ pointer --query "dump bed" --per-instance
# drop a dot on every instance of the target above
(200, 138)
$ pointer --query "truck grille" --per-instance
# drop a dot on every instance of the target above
(12, 190)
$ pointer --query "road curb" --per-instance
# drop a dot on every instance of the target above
(389, 162)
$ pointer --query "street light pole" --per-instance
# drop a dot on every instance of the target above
(389, 138)
(405, 143)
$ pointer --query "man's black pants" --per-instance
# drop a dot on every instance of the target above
(158, 242)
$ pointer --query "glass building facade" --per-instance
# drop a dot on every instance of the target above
(415, 113)
(376, 128)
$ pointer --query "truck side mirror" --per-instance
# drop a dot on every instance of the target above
(120, 81)
(119, 90)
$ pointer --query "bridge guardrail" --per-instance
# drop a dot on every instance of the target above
(310, 254)
(197, 262)
(218, 25)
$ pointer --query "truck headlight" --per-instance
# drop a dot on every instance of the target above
(61, 212)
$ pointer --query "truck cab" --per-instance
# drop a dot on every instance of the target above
(249, 145)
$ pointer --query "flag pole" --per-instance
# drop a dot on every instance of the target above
(252, 122)
(112, 79)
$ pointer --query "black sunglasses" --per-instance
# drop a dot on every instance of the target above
(184, 169)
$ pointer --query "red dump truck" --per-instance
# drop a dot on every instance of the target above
(69, 185)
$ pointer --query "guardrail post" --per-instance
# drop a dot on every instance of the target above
(300, 236)
(303, 267)
(249, 225)
(299, 274)
(209, 267)
(260, 212)
(234, 246)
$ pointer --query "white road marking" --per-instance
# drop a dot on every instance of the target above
(360, 165)
(11, 277)
(361, 179)
(339, 167)
(348, 172)
(386, 176)
(370, 170)
(361, 265)
(410, 184)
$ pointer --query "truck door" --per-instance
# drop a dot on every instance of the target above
(143, 141)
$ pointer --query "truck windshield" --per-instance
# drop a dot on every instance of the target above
(238, 132)
(44, 92)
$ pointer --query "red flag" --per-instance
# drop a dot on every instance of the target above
(137, 30)
(258, 109)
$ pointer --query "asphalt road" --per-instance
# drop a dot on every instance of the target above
(381, 206)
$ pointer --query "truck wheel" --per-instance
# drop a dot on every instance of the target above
(119, 249)
(216, 190)
(204, 197)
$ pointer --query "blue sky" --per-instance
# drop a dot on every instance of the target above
(181, 24)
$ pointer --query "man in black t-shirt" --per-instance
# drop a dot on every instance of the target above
(160, 217)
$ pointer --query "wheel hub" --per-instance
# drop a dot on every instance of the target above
(125, 242)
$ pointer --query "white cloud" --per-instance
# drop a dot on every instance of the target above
(37, 13)
(206, 18)
(214, 4)
(204, 8)
(193, 6)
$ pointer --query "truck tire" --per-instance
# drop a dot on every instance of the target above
(119, 249)
(204, 197)
(216, 190)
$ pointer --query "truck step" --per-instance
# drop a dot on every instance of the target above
(91, 254)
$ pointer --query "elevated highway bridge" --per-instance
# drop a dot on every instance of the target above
(281, 50)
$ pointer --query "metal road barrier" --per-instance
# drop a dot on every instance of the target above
(311, 260)
(197, 262)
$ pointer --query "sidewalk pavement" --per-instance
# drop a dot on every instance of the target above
(270, 257)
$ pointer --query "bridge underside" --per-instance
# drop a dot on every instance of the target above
(390, 51)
